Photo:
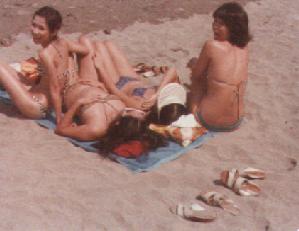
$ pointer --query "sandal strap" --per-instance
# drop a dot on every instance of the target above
(232, 177)
(213, 198)
(238, 183)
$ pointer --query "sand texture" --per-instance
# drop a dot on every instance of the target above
(48, 184)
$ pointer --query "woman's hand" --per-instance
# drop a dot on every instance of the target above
(192, 62)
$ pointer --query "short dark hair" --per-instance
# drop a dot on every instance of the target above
(236, 19)
(171, 113)
(52, 16)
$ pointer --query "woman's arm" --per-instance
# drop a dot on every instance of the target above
(198, 76)
(68, 117)
(68, 128)
(54, 88)
(200, 68)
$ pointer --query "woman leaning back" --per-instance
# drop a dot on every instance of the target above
(56, 63)
(90, 109)
(219, 76)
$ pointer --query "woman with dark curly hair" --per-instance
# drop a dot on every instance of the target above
(219, 76)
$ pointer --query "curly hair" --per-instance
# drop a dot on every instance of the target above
(52, 16)
(235, 19)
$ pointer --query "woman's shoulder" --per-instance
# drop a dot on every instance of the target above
(217, 45)
(211, 46)
(63, 41)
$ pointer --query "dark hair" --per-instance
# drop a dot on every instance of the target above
(236, 19)
(129, 128)
(168, 114)
(52, 16)
(171, 113)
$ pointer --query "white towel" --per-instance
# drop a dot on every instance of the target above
(186, 121)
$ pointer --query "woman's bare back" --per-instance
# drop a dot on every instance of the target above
(226, 78)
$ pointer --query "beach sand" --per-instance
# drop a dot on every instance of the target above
(48, 184)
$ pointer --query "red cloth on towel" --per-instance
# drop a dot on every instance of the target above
(131, 149)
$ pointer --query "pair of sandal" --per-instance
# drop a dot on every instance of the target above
(150, 71)
(196, 212)
(231, 179)
(240, 182)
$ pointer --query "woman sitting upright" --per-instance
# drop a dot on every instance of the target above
(55, 63)
(220, 73)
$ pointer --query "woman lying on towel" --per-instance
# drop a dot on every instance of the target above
(120, 79)
(54, 67)
(219, 76)
(99, 110)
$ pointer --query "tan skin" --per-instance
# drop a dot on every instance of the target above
(48, 90)
(95, 121)
(111, 63)
(96, 118)
(220, 70)
(57, 58)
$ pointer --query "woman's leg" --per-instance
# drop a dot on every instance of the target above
(119, 60)
(170, 76)
(106, 61)
(27, 103)
(87, 70)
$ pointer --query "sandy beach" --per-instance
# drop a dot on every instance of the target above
(49, 184)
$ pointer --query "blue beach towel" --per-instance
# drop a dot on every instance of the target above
(144, 163)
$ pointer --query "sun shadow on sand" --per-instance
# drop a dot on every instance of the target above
(217, 182)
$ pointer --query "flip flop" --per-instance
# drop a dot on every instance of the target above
(194, 212)
(253, 173)
(164, 69)
(148, 74)
(149, 71)
(155, 70)
(219, 200)
(232, 180)
(139, 68)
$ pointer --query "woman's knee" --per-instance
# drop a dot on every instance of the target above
(3, 68)
(35, 108)
(84, 40)
(32, 111)
(172, 74)
(172, 71)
